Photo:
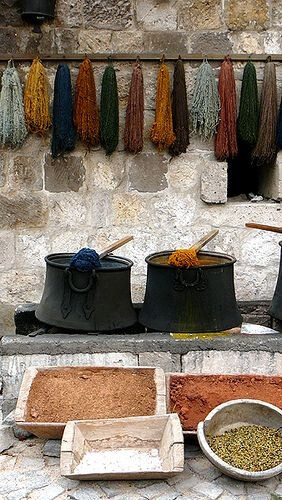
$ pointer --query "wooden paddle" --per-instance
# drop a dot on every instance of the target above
(204, 240)
(113, 246)
(188, 258)
(264, 227)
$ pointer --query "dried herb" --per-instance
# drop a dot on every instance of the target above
(250, 447)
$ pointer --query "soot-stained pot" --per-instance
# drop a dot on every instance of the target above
(98, 300)
(276, 304)
(194, 300)
(38, 11)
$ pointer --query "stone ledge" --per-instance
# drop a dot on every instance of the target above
(54, 344)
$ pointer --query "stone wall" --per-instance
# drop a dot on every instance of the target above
(89, 199)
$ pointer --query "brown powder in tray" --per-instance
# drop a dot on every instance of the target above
(88, 393)
(194, 396)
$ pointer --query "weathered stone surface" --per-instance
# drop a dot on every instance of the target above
(105, 172)
(214, 182)
(7, 326)
(200, 15)
(147, 172)
(31, 248)
(94, 41)
(273, 42)
(26, 173)
(152, 15)
(2, 171)
(6, 437)
(66, 41)
(210, 42)
(22, 286)
(127, 41)
(7, 249)
(276, 14)
(64, 174)
(170, 42)
(69, 13)
(18, 210)
(41, 43)
(10, 13)
(249, 43)
(9, 40)
(52, 448)
(107, 15)
(68, 209)
(254, 15)
(165, 360)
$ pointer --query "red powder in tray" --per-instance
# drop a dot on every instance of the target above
(194, 396)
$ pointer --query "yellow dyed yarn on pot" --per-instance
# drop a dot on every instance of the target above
(184, 258)
(162, 134)
(36, 99)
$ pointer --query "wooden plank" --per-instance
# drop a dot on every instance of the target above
(120, 57)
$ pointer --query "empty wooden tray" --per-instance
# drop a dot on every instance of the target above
(51, 396)
(124, 448)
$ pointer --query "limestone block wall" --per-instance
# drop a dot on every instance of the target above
(87, 198)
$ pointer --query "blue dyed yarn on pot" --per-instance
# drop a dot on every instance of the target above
(85, 260)
(63, 138)
(279, 128)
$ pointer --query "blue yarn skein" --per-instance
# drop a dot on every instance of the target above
(85, 260)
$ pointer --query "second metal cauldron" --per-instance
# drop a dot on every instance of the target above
(194, 300)
(276, 304)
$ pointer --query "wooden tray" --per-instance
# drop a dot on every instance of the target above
(99, 449)
(54, 430)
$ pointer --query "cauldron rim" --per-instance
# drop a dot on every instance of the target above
(128, 263)
(230, 258)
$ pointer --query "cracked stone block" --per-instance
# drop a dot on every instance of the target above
(23, 209)
(165, 360)
(214, 182)
(26, 172)
(254, 15)
(200, 14)
(64, 174)
(9, 40)
(147, 173)
(156, 15)
(107, 15)
(6, 437)
(166, 42)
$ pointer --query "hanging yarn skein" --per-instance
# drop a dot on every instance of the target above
(264, 153)
(226, 135)
(13, 129)
(109, 111)
(63, 137)
(134, 120)
(248, 118)
(86, 115)
(279, 127)
(205, 103)
(36, 99)
(162, 134)
(180, 115)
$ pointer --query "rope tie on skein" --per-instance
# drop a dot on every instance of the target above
(205, 103)
(63, 137)
(162, 134)
(36, 99)
(226, 136)
(180, 115)
(13, 129)
(134, 120)
(86, 115)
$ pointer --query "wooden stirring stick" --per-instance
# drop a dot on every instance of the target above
(274, 229)
(113, 246)
(204, 240)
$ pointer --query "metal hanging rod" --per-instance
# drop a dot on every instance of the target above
(143, 57)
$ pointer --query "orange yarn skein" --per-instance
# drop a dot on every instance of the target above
(86, 115)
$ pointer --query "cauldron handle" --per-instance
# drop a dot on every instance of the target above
(180, 283)
(80, 290)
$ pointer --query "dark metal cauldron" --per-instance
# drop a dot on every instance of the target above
(98, 300)
(37, 11)
(276, 305)
(199, 299)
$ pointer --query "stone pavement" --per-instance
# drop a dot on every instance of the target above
(30, 470)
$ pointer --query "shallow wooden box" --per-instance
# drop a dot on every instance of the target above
(258, 380)
(108, 440)
(54, 430)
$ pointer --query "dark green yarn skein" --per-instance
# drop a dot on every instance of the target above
(248, 119)
(109, 115)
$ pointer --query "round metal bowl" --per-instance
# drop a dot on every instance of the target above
(234, 414)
